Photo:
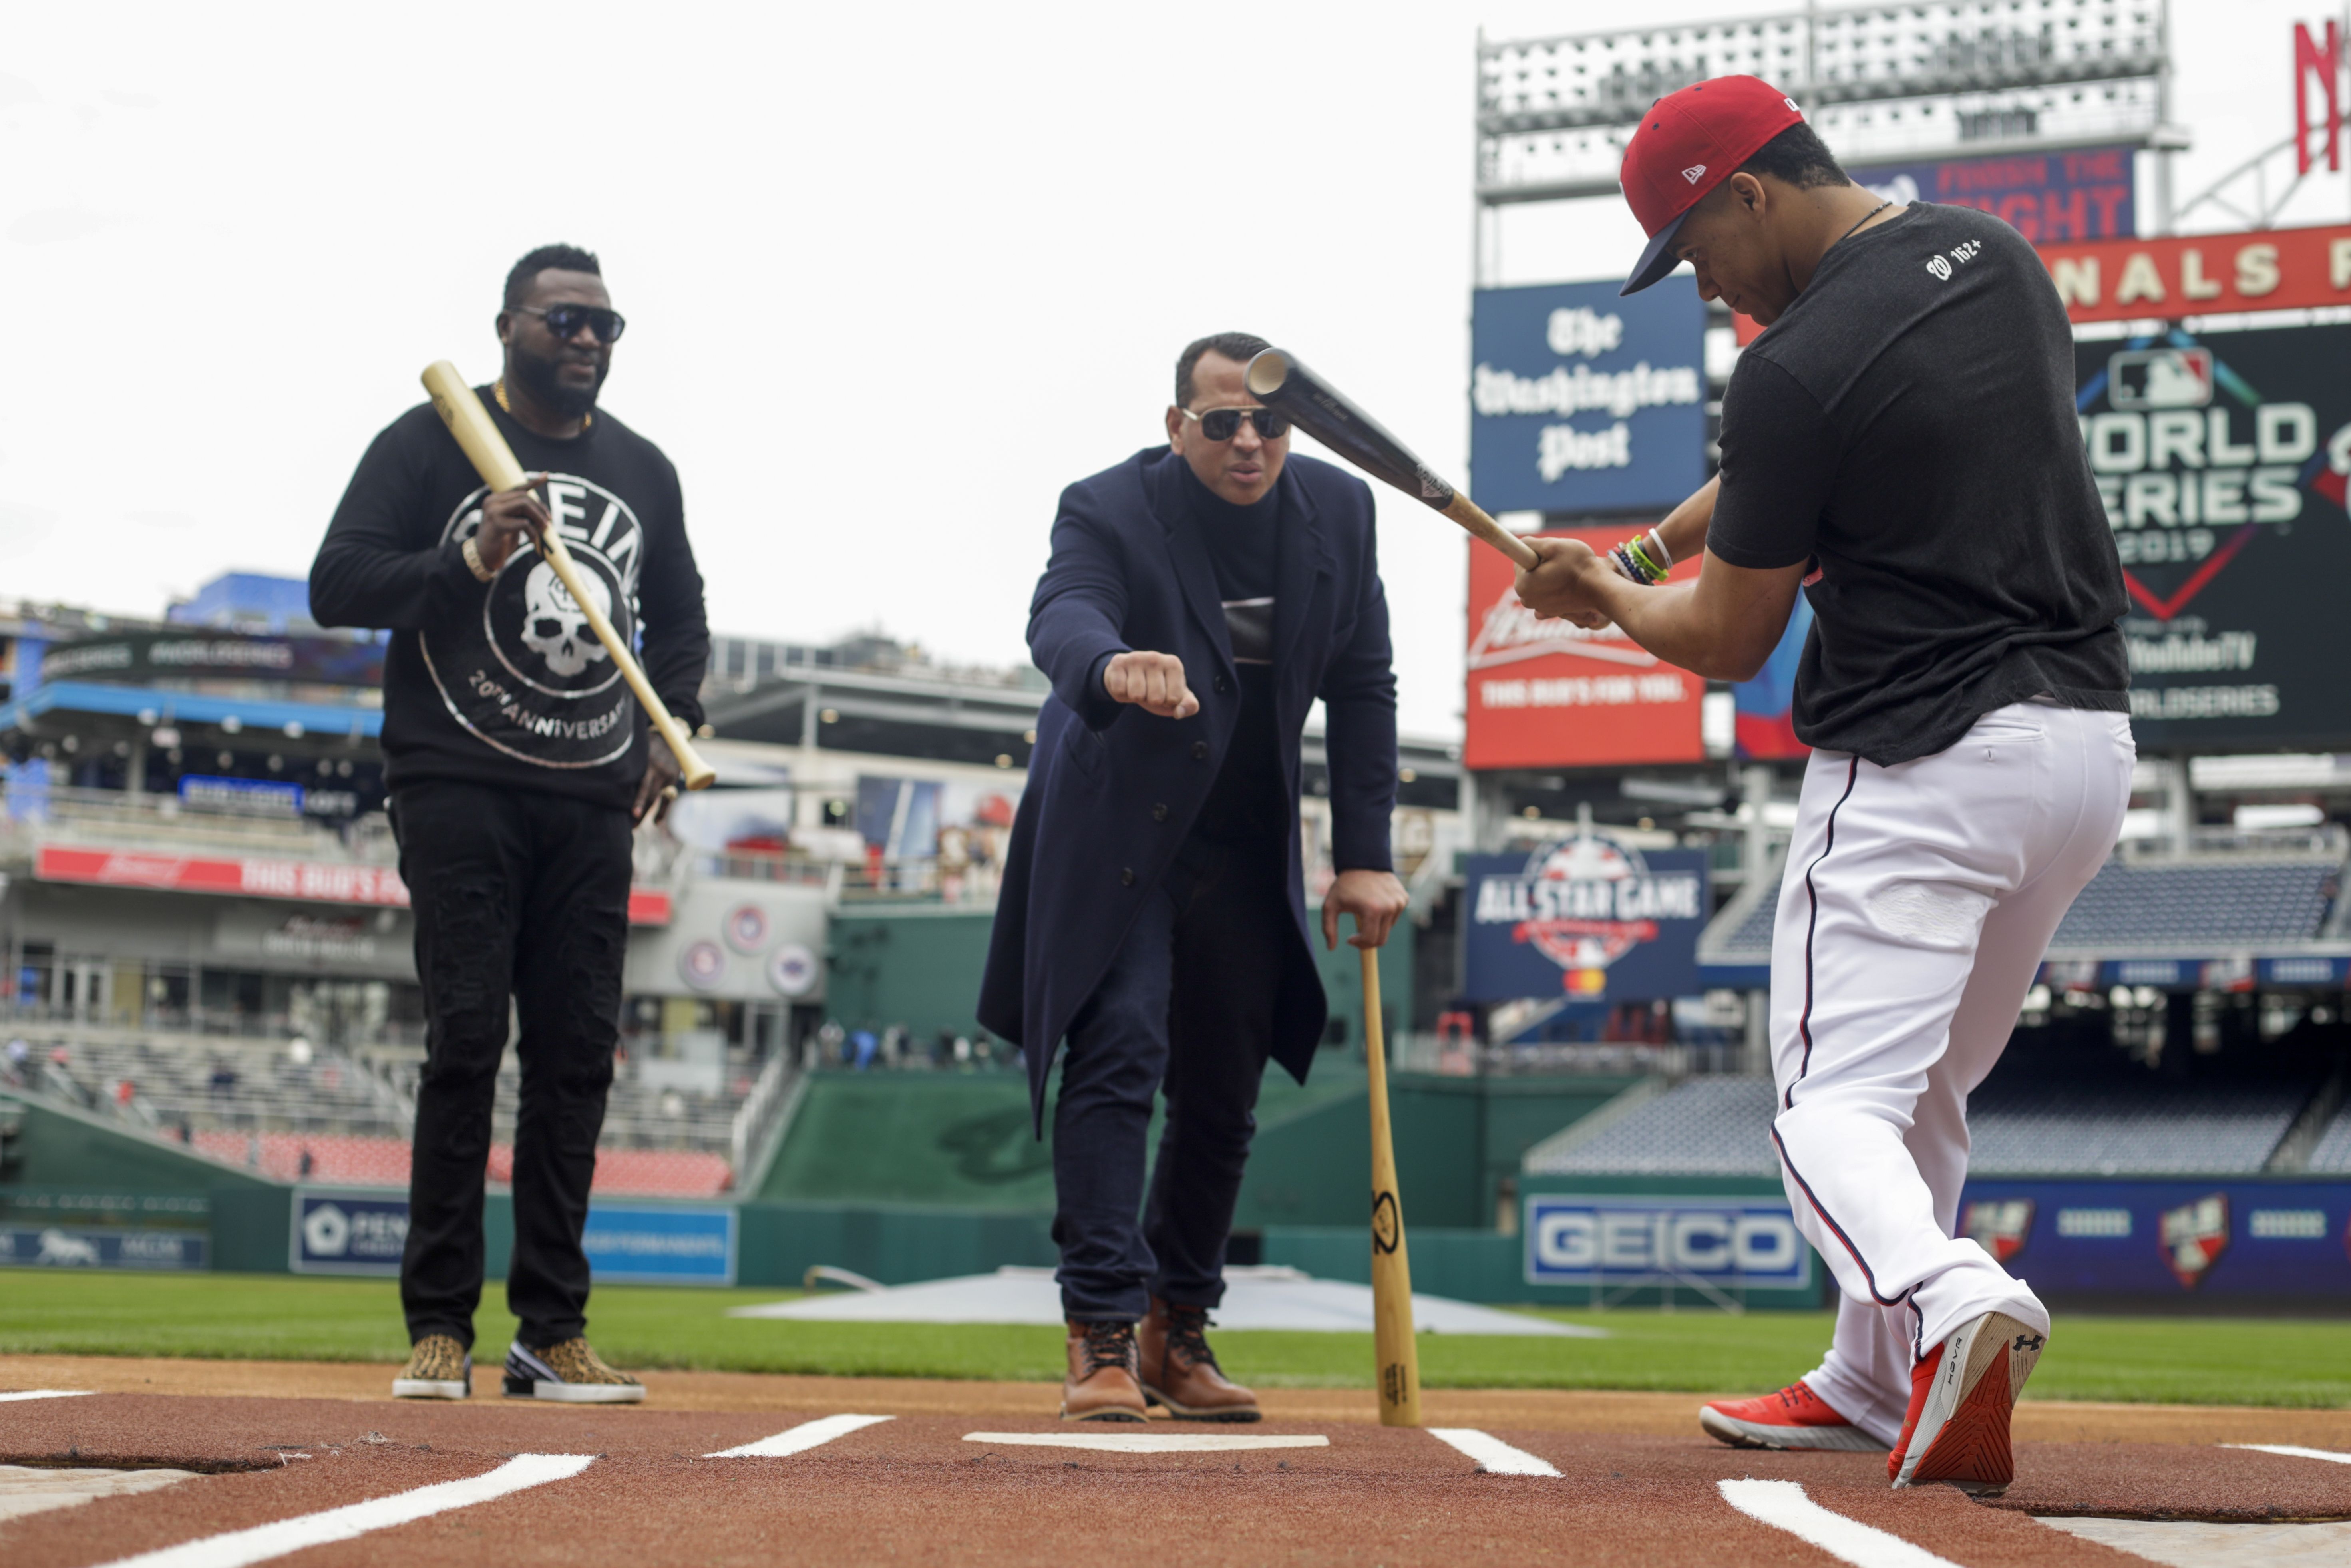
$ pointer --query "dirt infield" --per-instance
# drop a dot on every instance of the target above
(302, 1448)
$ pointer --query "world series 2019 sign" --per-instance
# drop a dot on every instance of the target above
(2223, 460)
(1590, 915)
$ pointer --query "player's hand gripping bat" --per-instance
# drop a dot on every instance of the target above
(1279, 381)
(493, 460)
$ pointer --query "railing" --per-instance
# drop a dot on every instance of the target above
(760, 1110)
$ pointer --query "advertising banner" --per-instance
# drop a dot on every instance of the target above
(308, 882)
(1584, 401)
(2202, 275)
(364, 1232)
(2166, 1238)
(61, 1246)
(2045, 196)
(1549, 694)
(360, 1232)
(663, 1246)
(1589, 916)
(2222, 461)
(1728, 1243)
(144, 656)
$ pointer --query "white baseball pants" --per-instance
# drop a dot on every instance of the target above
(1917, 902)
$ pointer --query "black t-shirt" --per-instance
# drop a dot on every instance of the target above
(503, 683)
(1909, 427)
(1246, 802)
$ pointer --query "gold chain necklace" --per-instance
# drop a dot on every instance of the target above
(498, 390)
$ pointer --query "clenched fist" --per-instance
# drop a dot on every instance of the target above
(1152, 681)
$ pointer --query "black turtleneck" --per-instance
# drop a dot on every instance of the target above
(1241, 543)
(1245, 803)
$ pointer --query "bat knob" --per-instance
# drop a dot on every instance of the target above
(1267, 371)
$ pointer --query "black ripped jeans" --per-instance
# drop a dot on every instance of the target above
(523, 895)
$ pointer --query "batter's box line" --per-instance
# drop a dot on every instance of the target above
(1148, 1442)
(1493, 1455)
(265, 1541)
(799, 1439)
(1782, 1505)
(2293, 1451)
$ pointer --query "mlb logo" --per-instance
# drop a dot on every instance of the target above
(2140, 379)
(2194, 1236)
(2000, 1226)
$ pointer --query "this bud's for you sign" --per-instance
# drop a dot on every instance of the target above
(1590, 915)
(1583, 400)
(1550, 693)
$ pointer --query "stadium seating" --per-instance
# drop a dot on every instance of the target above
(2333, 1155)
(249, 1103)
(2126, 1127)
(2024, 1126)
(2136, 906)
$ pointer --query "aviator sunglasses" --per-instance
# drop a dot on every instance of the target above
(565, 320)
(1223, 423)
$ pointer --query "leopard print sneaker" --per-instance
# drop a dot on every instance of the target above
(570, 1372)
(438, 1368)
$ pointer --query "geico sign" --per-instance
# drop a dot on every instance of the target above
(1576, 1240)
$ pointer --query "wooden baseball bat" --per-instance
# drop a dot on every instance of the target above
(493, 460)
(1281, 382)
(1395, 1355)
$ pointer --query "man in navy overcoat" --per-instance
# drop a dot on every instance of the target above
(1200, 597)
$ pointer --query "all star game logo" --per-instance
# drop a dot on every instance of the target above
(528, 676)
(1585, 902)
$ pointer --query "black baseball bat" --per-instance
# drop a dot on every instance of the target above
(1282, 381)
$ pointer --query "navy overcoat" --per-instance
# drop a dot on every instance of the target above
(1112, 790)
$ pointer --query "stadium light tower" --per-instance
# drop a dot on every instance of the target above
(1917, 82)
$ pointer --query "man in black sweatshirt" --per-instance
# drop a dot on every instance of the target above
(518, 762)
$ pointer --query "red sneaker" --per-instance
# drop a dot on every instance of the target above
(1795, 1417)
(1960, 1399)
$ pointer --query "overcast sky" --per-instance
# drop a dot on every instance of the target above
(894, 273)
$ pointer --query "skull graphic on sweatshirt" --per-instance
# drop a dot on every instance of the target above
(555, 627)
(527, 675)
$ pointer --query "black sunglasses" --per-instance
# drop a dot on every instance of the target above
(1223, 423)
(565, 320)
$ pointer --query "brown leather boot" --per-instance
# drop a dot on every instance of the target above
(1102, 1384)
(1180, 1371)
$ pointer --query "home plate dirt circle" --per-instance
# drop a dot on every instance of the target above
(352, 1481)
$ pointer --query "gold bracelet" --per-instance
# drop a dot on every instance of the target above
(473, 554)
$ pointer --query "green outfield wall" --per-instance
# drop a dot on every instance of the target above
(919, 967)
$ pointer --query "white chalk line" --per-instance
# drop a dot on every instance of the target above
(267, 1540)
(2292, 1451)
(799, 1439)
(48, 1394)
(1493, 1455)
(1146, 1442)
(1782, 1505)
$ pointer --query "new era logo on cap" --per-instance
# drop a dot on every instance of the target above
(1689, 143)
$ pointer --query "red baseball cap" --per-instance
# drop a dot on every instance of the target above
(1689, 143)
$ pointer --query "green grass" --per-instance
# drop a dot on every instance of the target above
(2166, 1360)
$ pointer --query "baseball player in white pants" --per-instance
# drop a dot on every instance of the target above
(1899, 444)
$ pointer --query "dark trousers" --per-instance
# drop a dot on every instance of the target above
(517, 897)
(1187, 1007)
